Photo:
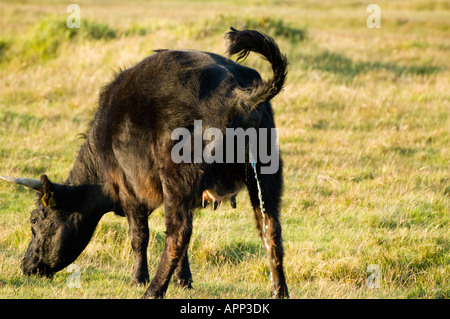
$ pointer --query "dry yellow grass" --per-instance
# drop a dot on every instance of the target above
(364, 133)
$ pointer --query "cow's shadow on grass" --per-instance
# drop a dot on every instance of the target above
(346, 67)
(233, 252)
(22, 280)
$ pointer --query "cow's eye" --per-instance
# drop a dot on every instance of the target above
(33, 221)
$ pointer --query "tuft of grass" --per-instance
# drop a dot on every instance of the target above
(274, 27)
(45, 38)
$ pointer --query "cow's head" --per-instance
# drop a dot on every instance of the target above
(62, 223)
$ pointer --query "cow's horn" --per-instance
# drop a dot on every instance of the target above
(28, 182)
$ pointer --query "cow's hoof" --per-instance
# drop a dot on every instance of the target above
(280, 292)
(152, 295)
(140, 279)
(139, 282)
(183, 283)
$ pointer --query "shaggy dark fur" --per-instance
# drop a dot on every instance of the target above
(125, 163)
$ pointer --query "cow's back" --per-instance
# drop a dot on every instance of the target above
(140, 108)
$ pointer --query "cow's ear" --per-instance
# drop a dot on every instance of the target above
(48, 192)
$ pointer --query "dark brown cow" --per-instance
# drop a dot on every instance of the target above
(125, 163)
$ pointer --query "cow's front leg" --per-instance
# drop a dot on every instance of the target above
(139, 235)
(178, 233)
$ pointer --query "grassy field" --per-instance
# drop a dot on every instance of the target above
(364, 133)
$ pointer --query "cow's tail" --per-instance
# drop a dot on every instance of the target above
(246, 41)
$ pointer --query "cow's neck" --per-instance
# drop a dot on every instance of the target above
(86, 175)
(86, 170)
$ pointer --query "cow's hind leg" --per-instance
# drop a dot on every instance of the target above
(270, 227)
(178, 217)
